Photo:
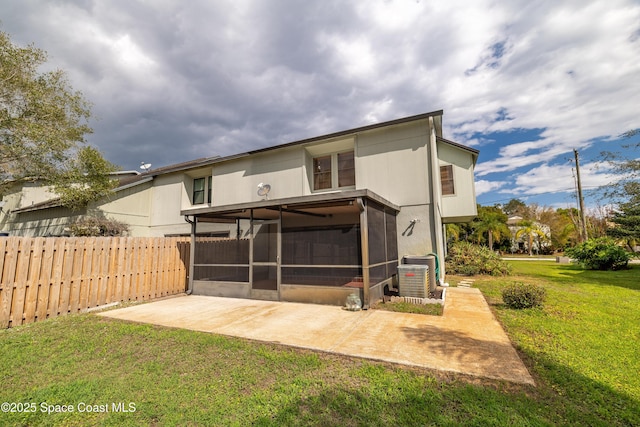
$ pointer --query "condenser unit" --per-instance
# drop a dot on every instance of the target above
(413, 280)
(429, 260)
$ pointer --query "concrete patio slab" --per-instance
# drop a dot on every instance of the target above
(466, 339)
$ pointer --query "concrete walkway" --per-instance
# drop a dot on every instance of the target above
(466, 339)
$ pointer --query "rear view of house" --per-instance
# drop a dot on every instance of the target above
(319, 219)
(312, 220)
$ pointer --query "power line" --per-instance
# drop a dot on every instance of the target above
(565, 190)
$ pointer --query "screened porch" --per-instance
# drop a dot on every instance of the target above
(316, 249)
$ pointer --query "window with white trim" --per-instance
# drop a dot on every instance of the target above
(335, 170)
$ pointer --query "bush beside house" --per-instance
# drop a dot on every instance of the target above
(467, 259)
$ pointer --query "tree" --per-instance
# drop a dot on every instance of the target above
(84, 179)
(516, 207)
(530, 229)
(563, 227)
(627, 222)
(43, 123)
(493, 222)
(628, 171)
(452, 232)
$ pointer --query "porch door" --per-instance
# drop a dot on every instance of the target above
(265, 259)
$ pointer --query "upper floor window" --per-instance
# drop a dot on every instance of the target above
(201, 187)
(334, 171)
(446, 180)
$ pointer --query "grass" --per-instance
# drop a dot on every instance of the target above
(406, 307)
(581, 347)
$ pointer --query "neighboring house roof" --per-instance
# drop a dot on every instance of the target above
(514, 220)
(125, 180)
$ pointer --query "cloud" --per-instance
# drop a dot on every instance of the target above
(547, 179)
(484, 186)
(172, 81)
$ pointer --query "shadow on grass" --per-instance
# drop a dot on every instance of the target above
(627, 278)
(563, 397)
(181, 377)
(571, 273)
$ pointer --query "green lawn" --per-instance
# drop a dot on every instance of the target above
(582, 349)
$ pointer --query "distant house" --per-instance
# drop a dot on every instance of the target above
(312, 220)
(520, 243)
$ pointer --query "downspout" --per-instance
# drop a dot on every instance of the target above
(436, 197)
(192, 252)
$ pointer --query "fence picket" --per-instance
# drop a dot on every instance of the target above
(8, 280)
(95, 274)
(46, 274)
(136, 279)
(85, 274)
(33, 280)
(56, 277)
(103, 274)
(148, 262)
(20, 285)
(128, 270)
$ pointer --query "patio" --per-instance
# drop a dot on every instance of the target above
(466, 339)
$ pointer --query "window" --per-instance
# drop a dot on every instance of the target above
(446, 180)
(200, 189)
(334, 171)
(322, 173)
(346, 170)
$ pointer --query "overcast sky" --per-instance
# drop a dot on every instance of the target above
(524, 82)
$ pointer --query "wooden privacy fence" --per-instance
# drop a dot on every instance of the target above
(47, 277)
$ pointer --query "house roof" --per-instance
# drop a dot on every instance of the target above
(462, 147)
(205, 161)
(133, 178)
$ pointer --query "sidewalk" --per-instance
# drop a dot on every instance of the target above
(466, 339)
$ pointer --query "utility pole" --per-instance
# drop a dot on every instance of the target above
(583, 219)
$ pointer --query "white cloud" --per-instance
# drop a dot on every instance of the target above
(484, 186)
(171, 80)
(561, 178)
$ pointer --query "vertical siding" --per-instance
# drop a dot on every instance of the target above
(48, 277)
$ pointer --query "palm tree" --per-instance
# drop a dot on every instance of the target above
(453, 232)
(530, 229)
(491, 221)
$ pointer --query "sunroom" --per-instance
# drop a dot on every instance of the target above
(319, 248)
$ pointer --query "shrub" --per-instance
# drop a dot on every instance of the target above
(467, 259)
(600, 254)
(98, 226)
(522, 295)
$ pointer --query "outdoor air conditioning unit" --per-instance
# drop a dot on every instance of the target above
(428, 260)
(413, 280)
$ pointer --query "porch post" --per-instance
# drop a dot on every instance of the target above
(364, 247)
(192, 253)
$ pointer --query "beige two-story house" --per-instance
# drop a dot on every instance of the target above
(312, 220)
